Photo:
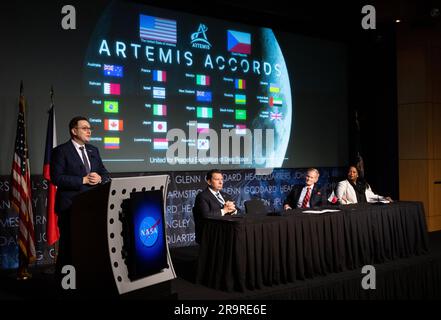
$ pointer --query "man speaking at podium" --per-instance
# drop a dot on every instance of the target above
(76, 166)
(212, 202)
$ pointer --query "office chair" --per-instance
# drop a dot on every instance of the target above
(256, 207)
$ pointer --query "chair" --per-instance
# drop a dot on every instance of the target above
(256, 207)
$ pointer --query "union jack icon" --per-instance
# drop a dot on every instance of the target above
(275, 116)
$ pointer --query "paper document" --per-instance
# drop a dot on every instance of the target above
(381, 201)
(320, 211)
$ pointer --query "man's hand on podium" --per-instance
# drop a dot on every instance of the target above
(92, 178)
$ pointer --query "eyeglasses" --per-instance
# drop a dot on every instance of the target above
(85, 128)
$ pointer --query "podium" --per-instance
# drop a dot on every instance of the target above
(97, 239)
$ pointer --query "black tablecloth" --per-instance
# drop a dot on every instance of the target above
(238, 253)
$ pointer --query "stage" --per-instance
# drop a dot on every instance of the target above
(415, 278)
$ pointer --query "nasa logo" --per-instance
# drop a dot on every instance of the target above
(148, 231)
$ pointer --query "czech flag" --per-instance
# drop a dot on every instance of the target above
(239, 42)
(53, 234)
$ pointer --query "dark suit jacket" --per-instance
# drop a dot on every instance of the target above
(318, 198)
(67, 172)
(206, 205)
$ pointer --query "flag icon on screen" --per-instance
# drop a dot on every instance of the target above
(274, 88)
(240, 99)
(159, 126)
(158, 92)
(241, 129)
(159, 110)
(203, 96)
(155, 28)
(241, 114)
(239, 83)
(203, 127)
(111, 106)
(112, 88)
(275, 102)
(160, 144)
(202, 80)
(113, 70)
(113, 125)
(159, 75)
(275, 116)
(111, 142)
(239, 42)
(204, 112)
(203, 144)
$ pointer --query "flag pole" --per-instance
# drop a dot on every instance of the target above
(52, 230)
(22, 272)
(21, 194)
(52, 95)
(359, 158)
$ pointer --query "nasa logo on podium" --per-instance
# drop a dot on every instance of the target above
(148, 231)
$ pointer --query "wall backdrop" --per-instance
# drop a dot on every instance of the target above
(242, 185)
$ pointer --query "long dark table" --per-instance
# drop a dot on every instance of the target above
(248, 252)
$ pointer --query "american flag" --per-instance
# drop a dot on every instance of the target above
(156, 28)
(21, 189)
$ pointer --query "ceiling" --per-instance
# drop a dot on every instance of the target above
(337, 19)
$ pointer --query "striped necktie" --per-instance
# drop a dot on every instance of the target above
(86, 163)
(306, 198)
(218, 196)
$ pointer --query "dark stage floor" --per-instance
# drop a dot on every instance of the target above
(413, 278)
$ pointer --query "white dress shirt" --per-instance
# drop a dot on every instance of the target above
(303, 194)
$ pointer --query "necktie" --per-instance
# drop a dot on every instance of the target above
(306, 198)
(218, 196)
(86, 163)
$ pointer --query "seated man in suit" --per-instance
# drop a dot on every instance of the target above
(308, 195)
(356, 190)
(76, 166)
(212, 202)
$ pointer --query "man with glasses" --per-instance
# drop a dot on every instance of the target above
(76, 166)
(212, 202)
